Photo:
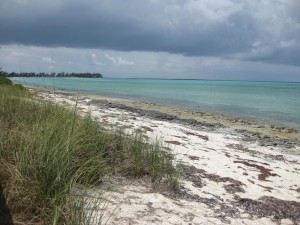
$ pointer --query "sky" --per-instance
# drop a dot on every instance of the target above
(188, 39)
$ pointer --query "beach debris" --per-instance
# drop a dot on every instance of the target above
(237, 147)
(173, 142)
(204, 137)
(147, 128)
(233, 188)
(267, 206)
(264, 172)
(192, 157)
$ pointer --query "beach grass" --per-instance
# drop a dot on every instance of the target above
(48, 153)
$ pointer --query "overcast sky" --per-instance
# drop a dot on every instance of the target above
(205, 39)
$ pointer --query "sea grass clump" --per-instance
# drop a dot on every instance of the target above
(51, 157)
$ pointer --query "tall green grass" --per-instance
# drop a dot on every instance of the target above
(48, 152)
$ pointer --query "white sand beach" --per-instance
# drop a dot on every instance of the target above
(232, 171)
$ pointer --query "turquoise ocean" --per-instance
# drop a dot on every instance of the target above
(275, 103)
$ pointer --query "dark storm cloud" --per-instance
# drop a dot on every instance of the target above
(280, 56)
(194, 28)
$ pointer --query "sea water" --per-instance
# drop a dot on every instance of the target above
(267, 102)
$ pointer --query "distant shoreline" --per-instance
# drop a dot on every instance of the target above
(51, 75)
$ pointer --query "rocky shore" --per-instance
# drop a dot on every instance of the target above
(248, 135)
(233, 171)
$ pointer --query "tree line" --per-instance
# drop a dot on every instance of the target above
(43, 74)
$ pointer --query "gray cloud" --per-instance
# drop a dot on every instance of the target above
(137, 64)
(243, 30)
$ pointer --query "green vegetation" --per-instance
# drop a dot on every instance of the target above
(5, 81)
(19, 86)
(49, 154)
(62, 74)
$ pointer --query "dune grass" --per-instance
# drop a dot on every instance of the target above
(48, 152)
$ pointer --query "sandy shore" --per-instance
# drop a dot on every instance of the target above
(233, 171)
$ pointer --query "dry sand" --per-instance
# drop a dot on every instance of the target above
(232, 171)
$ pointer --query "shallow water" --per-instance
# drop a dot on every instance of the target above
(267, 102)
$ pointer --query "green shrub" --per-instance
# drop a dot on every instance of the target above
(5, 81)
(19, 86)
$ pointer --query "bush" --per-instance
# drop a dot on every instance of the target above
(5, 81)
(19, 86)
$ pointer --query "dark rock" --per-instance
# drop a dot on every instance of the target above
(99, 101)
(162, 116)
(265, 140)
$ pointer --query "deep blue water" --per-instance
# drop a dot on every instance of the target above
(268, 102)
